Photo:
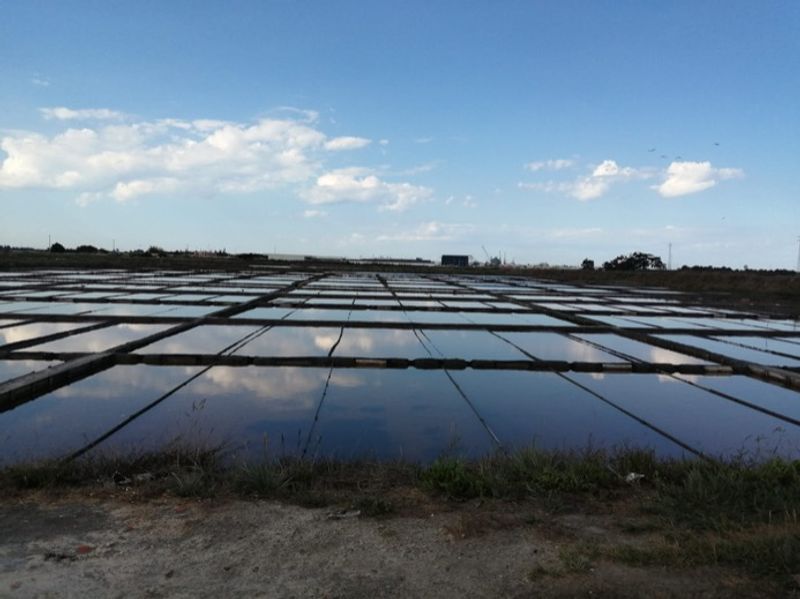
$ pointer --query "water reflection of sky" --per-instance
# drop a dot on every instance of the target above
(412, 413)
(471, 345)
(293, 341)
(769, 344)
(641, 351)
(10, 369)
(552, 346)
(772, 397)
(245, 409)
(705, 421)
(541, 408)
(62, 421)
(101, 339)
(26, 332)
(379, 343)
(379, 316)
(734, 351)
(319, 314)
(386, 414)
(266, 313)
(209, 339)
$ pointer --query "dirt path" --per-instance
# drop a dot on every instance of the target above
(167, 547)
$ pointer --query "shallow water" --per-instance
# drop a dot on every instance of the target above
(409, 413)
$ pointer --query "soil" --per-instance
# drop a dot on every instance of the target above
(79, 546)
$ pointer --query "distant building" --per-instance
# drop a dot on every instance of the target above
(455, 260)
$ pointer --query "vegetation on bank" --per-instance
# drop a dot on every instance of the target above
(686, 513)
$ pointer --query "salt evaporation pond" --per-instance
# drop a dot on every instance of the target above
(359, 365)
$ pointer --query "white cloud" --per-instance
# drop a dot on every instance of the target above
(418, 169)
(610, 169)
(40, 81)
(589, 188)
(384, 142)
(683, 178)
(468, 201)
(360, 185)
(314, 213)
(88, 197)
(550, 165)
(573, 233)
(115, 158)
(680, 178)
(423, 140)
(594, 185)
(87, 114)
(546, 186)
(585, 188)
(308, 116)
(287, 390)
(346, 143)
(431, 231)
(127, 190)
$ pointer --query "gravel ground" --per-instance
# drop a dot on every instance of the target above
(169, 547)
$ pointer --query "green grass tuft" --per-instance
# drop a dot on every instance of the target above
(763, 552)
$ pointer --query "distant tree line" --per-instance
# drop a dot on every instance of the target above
(152, 251)
(643, 261)
(771, 271)
(634, 261)
(58, 248)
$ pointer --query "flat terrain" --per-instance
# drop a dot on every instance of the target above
(770, 293)
(79, 546)
(521, 526)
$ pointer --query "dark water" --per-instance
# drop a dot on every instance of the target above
(408, 413)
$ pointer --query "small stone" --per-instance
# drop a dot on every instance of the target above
(120, 479)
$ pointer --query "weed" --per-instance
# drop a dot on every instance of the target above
(718, 496)
(41, 475)
(374, 507)
(454, 478)
(261, 480)
(635, 527)
(762, 551)
(681, 494)
(578, 559)
(312, 499)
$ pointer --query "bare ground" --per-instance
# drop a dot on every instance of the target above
(79, 546)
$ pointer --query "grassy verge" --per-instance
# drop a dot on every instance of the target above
(774, 293)
(691, 513)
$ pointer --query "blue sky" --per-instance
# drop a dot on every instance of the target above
(547, 131)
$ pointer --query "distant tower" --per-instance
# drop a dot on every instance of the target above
(798, 254)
